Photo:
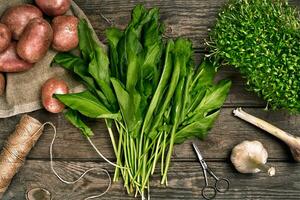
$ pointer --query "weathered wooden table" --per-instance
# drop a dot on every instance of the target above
(73, 154)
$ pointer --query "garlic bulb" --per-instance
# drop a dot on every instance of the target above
(292, 141)
(251, 157)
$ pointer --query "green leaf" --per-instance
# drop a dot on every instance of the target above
(82, 72)
(133, 44)
(74, 118)
(76, 65)
(133, 54)
(177, 103)
(137, 13)
(152, 40)
(164, 79)
(122, 66)
(68, 60)
(213, 99)
(99, 69)
(79, 67)
(129, 106)
(99, 65)
(140, 16)
(198, 129)
(113, 36)
(182, 53)
(202, 80)
(205, 76)
(153, 48)
(87, 104)
(186, 96)
(215, 96)
(86, 40)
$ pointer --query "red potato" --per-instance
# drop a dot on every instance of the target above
(11, 62)
(35, 40)
(54, 7)
(65, 33)
(50, 87)
(5, 37)
(16, 18)
(2, 84)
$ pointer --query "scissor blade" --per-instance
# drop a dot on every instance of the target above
(198, 152)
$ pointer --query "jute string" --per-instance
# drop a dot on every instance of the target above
(19, 145)
(16, 148)
(82, 175)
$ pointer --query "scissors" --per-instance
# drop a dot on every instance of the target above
(221, 184)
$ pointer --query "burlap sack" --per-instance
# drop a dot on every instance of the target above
(23, 90)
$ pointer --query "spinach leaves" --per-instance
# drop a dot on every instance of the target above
(149, 90)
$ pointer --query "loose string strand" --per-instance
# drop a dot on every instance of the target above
(83, 174)
(102, 156)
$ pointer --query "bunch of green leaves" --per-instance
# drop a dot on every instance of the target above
(262, 39)
(149, 90)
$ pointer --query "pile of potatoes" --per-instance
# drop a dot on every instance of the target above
(25, 36)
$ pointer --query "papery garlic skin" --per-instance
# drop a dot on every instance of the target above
(292, 141)
(251, 157)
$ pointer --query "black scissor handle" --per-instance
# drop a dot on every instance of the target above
(209, 192)
(222, 185)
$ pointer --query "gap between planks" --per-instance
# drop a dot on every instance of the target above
(185, 182)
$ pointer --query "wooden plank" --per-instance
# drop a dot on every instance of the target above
(227, 132)
(191, 20)
(185, 182)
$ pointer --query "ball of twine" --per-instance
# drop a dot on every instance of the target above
(16, 148)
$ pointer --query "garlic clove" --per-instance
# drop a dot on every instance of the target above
(271, 171)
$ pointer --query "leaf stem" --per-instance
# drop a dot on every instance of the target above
(111, 135)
